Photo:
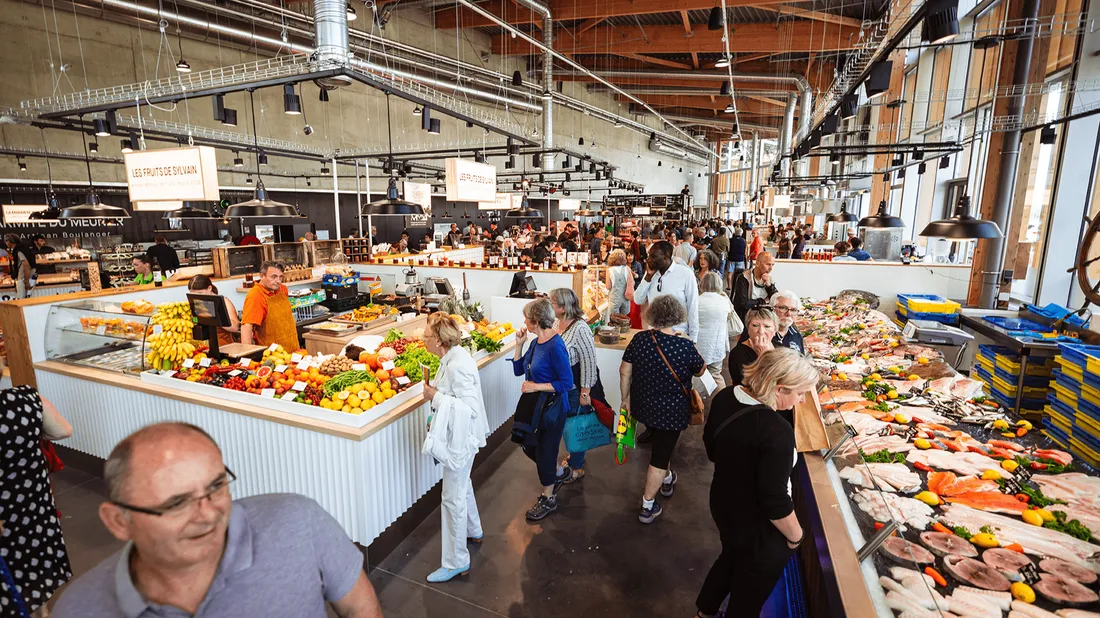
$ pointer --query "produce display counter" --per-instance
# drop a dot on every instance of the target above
(365, 470)
(316, 342)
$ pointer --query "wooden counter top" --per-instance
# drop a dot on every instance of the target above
(134, 383)
(624, 340)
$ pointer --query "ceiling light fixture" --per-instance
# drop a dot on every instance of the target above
(127, 146)
(434, 128)
(292, 103)
(92, 208)
(881, 219)
(416, 110)
(843, 216)
(849, 103)
(961, 225)
(100, 127)
(260, 205)
(182, 66)
(351, 12)
(323, 95)
(722, 63)
(517, 79)
(237, 160)
(941, 21)
(725, 89)
(524, 211)
(716, 19)
(878, 79)
(93, 147)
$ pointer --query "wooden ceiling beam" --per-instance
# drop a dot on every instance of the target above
(570, 10)
(830, 18)
(775, 102)
(587, 25)
(706, 102)
(658, 61)
(695, 60)
(751, 38)
(687, 22)
(750, 58)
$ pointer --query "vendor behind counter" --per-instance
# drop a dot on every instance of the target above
(267, 316)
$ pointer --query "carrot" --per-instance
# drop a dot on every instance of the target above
(1021, 432)
(938, 527)
(935, 575)
(919, 466)
(1015, 547)
(879, 525)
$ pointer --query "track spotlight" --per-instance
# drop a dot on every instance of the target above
(945, 162)
(898, 160)
(1048, 135)
(127, 146)
(93, 147)
(100, 126)
(510, 163)
(261, 158)
(237, 160)
(292, 104)
(22, 164)
(901, 173)
(517, 79)
(536, 161)
(725, 89)
(434, 129)
(849, 103)
(323, 95)
(921, 168)
(715, 19)
(878, 79)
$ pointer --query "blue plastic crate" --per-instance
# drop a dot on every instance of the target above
(943, 318)
(1063, 409)
(927, 303)
(980, 373)
(1035, 405)
(1079, 353)
(1012, 378)
(1016, 324)
(1092, 379)
(1092, 441)
(1061, 378)
(1055, 311)
(1057, 436)
(1088, 408)
(991, 351)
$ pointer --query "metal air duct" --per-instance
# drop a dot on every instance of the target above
(547, 79)
(330, 23)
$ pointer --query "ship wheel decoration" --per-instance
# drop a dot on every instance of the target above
(1087, 255)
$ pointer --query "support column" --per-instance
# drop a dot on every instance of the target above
(336, 197)
(358, 199)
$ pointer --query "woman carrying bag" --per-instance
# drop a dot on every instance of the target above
(540, 413)
(753, 450)
(457, 428)
(660, 395)
(587, 388)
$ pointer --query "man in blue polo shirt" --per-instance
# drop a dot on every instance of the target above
(857, 251)
(191, 551)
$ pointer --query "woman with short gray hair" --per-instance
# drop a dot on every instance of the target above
(660, 396)
(714, 314)
(581, 346)
(540, 413)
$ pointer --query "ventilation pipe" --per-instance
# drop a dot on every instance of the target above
(786, 137)
(794, 79)
(547, 80)
(330, 23)
(753, 163)
(804, 119)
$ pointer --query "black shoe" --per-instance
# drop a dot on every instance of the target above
(646, 437)
(565, 477)
(668, 485)
(647, 516)
(543, 507)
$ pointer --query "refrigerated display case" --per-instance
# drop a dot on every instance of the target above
(97, 334)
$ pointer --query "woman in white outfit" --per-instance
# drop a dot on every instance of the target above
(457, 428)
(714, 317)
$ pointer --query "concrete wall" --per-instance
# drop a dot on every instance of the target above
(35, 41)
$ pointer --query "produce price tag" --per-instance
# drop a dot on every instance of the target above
(388, 365)
(299, 386)
(885, 431)
(1029, 573)
(280, 369)
(169, 373)
(1011, 487)
(295, 358)
(235, 372)
(289, 395)
(157, 328)
(358, 367)
(267, 392)
(1023, 474)
(205, 362)
(403, 380)
(246, 363)
(502, 331)
(189, 363)
(303, 366)
(101, 330)
(273, 347)
(910, 432)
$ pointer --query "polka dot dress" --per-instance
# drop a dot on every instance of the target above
(656, 399)
(31, 543)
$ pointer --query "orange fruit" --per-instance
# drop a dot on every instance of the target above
(397, 372)
(370, 359)
(382, 375)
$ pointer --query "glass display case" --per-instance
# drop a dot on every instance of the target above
(97, 334)
(595, 293)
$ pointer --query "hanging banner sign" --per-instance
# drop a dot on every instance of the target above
(642, 211)
(503, 201)
(20, 213)
(566, 204)
(158, 206)
(468, 181)
(173, 174)
(419, 193)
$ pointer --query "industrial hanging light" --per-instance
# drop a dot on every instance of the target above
(580, 142)
(393, 205)
(881, 219)
(260, 205)
(715, 20)
(230, 117)
(416, 111)
(22, 164)
(325, 169)
(841, 217)
(434, 128)
(945, 162)
(922, 168)
(323, 95)
(127, 146)
(725, 89)
(517, 79)
(878, 79)
(1048, 135)
(292, 104)
(93, 147)
(351, 12)
(849, 103)
(189, 211)
(237, 160)
(92, 208)
(100, 127)
(524, 211)
(961, 225)
(729, 109)
(834, 159)
(182, 66)
(261, 158)
(941, 21)
(479, 157)
(722, 63)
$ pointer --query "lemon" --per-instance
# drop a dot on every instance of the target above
(343, 395)
(357, 410)
(892, 394)
(1045, 514)
(346, 409)
(922, 360)
(1032, 517)
(842, 376)
(1025, 424)
(901, 418)
(378, 397)
(914, 376)
(1022, 592)
(928, 498)
(388, 393)
(984, 539)
(1000, 424)
(875, 376)
(1009, 465)
(370, 387)
(921, 443)
(353, 401)
(368, 404)
(991, 475)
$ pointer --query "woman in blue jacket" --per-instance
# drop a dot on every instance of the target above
(546, 371)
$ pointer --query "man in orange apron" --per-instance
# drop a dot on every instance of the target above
(267, 317)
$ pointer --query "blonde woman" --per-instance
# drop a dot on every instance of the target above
(620, 282)
(753, 450)
(760, 328)
(457, 429)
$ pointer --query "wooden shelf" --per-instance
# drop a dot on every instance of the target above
(311, 281)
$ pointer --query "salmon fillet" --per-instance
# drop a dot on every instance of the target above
(993, 501)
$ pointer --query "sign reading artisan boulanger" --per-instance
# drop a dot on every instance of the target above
(173, 174)
(468, 181)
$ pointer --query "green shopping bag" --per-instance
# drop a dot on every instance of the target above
(626, 427)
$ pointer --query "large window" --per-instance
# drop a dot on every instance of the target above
(941, 72)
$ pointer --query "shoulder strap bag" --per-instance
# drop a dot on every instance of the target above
(694, 398)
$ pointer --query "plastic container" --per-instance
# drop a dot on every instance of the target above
(1016, 324)
(951, 319)
(927, 303)
(979, 373)
(1063, 394)
(985, 363)
(1008, 389)
(1088, 409)
(1085, 356)
(1009, 402)
(1056, 419)
(1057, 437)
(1055, 311)
(1090, 394)
(1035, 366)
(1068, 413)
(1083, 449)
(1071, 369)
(1029, 378)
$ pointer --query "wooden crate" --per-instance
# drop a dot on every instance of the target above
(235, 261)
(291, 254)
(322, 252)
(356, 249)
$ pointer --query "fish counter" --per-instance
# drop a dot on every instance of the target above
(953, 505)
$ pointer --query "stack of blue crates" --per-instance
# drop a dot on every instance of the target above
(1074, 401)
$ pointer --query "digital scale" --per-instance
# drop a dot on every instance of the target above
(436, 290)
(936, 334)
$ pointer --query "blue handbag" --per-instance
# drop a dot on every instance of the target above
(585, 432)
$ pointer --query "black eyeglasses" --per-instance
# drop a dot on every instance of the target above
(783, 309)
(184, 504)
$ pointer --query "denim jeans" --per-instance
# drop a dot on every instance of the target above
(576, 460)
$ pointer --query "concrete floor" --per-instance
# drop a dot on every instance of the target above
(590, 558)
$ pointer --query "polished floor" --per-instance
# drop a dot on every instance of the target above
(590, 558)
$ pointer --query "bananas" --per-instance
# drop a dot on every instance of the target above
(173, 343)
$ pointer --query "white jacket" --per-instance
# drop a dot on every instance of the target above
(458, 427)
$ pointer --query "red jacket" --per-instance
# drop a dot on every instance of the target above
(756, 247)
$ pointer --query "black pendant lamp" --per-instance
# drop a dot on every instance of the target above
(961, 225)
(524, 211)
(586, 211)
(261, 205)
(714, 20)
(92, 208)
(393, 205)
(941, 21)
(881, 219)
(189, 211)
(841, 217)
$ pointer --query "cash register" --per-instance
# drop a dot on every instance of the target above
(523, 286)
(436, 290)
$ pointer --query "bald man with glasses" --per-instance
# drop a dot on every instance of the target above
(191, 550)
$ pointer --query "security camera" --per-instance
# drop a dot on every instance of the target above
(308, 130)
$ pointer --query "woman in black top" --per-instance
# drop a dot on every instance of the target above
(750, 496)
(655, 396)
(760, 327)
(798, 244)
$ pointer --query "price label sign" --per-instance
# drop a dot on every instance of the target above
(280, 369)
(388, 365)
(1023, 474)
(1029, 573)
(246, 363)
(403, 380)
(358, 367)
(189, 363)
(302, 366)
(273, 347)
(299, 386)
(1011, 487)
(205, 362)
(909, 433)
(235, 372)
(101, 329)
(267, 392)
(885, 431)
(289, 396)
(169, 373)
(295, 358)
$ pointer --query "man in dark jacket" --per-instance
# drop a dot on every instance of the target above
(163, 256)
(40, 248)
(755, 286)
(735, 259)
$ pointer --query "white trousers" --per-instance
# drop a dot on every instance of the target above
(460, 516)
